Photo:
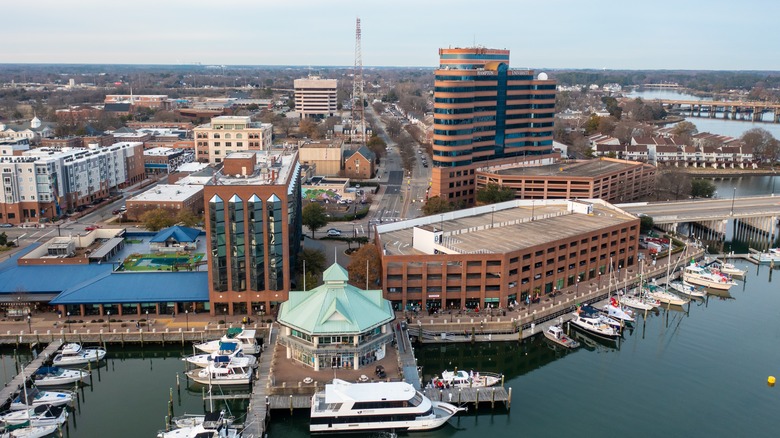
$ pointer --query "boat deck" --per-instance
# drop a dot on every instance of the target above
(8, 392)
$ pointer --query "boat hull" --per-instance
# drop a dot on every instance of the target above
(442, 413)
(566, 343)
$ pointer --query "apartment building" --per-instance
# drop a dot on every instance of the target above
(253, 228)
(486, 114)
(227, 134)
(315, 97)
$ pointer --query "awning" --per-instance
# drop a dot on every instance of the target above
(106, 248)
(25, 299)
(491, 300)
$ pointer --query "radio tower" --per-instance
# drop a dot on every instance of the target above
(358, 113)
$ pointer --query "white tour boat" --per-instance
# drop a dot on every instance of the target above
(229, 349)
(214, 425)
(687, 289)
(56, 376)
(351, 407)
(29, 431)
(223, 371)
(555, 334)
(463, 379)
(43, 415)
(245, 338)
(695, 274)
(32, 397)
(74, 354)
(594, 324)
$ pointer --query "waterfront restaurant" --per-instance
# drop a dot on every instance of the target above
(336, 325)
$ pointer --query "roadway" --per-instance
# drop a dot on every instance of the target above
(706, 209)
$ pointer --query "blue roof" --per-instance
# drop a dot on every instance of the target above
(138, 287)
(180, 234)
(44, 278)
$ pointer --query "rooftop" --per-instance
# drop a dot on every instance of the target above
(271, 168)
(498, 228)
(584, 169)
(168, 192)
(162, 151)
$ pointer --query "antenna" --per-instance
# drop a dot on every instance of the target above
(366, 274)
(304, 275)
(358, 113)
(335, 256)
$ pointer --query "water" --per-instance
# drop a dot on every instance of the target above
(747, 186)
(128, 395)
(677, 374)
(732, 128)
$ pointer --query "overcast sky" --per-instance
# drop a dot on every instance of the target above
(611, 34)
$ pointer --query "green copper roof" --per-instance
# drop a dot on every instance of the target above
(335, 307)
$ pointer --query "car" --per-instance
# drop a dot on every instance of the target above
(91, 228)
(334, 232)
(116, 212)
(6, 225)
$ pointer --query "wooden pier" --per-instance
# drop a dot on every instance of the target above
(472, 396)
(12, 387)
(257, 413)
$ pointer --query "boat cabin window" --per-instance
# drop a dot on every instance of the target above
(384, 404)
(416, 400)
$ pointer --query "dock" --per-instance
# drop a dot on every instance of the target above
(406, 359)
(257, 413)
(10, 390)
(472, 396)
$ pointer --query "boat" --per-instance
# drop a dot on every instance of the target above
(711, 278)
(591, 311)
(687, 289)
(29, 431)
(350, 407)
(223, 371)
(639, 299)
(56, 376)
(771, 256)
(666, 297)
(43, 415)
(594, 324)
(192, 420)
(555, 334)
(214, 425)
(245, 338)
(74, 354)
(229, 349)
(33, 396)
(617, 312)
(463, 379)
(730, 269)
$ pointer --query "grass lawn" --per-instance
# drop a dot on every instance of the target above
(161, 262)
(134, 241)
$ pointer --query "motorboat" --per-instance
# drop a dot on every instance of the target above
(245, 338)
(348, 407)
(555, 334)
(43, 415)
(463, 379)
(214, 425)
(192, 420)
(712, 278)
(594, 324)
(772, 255)
(223, 371)
(666, 297)
(33, 396)
(74, 354)
(28, 431)
(687, 289)
(229, 349)
(593, 312)
(56, 376)
(730, 269)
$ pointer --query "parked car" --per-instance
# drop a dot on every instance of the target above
(6, 225)
(91, 228)
(334, 232)
(116, 212)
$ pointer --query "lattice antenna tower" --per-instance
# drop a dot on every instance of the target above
(358, 112)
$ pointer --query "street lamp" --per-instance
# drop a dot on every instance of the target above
(733, 195)
(578, 285)
(187, 318)
(29, 323)
(147, 318)
(67, 321)
(108, 315)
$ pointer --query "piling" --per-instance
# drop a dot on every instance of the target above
(509, 399)
(476, 401)
(493, 399)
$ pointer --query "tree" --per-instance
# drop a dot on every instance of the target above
(764, 145)
(315, 265)
(493, 193)
(188, 218)
(157, 219)
(435, 205)
(675, 183)
(702, 188)
(685, 128)
(313, 216)
(646, 223)
(357, 267)
(3, 239)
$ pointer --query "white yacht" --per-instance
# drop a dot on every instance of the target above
(687, 289)
(639, 301)
(695, 274)
(56, 376)
(463, 379)
(666, 297)
(43, 415)
(594, 324)
(213, 425)
(229, 349)
(245, 338)
(223, 371)
(29, 431)
(617, 312)
(350, 407)
(33, 396)
(74, 354)
(730, 269)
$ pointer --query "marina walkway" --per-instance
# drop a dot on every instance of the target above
(471, 396)
(257, 412)
(407, 361)
(16, 383)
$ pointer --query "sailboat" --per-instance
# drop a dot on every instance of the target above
(615, 309)
(663, 295)
(25, 430)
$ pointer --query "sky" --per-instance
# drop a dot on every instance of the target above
(601, 34)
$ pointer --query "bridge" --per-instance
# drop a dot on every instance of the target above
(730, 109)
(754, 218)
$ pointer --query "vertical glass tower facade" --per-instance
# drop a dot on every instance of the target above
(486, 114)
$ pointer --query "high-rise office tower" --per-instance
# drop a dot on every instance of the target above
(486, 114)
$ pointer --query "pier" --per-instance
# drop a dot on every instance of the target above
(472, 396)
(257, 413)
(10, 390)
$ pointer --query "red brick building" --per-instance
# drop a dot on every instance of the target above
(359, 164)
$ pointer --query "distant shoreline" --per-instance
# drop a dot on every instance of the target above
(719, 173)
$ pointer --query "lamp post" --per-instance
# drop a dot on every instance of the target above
(108, 315)
(733, 196)
(187, 318)
(67, 321)
(578, 286)
(147, 318)
(29, 323)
